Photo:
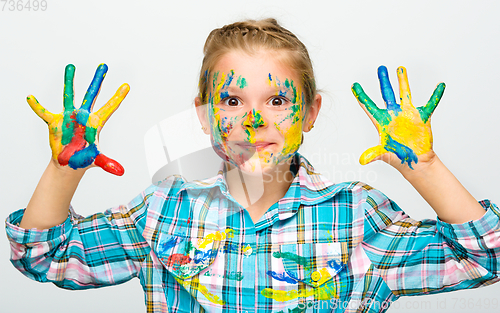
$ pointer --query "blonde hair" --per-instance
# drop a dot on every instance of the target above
(249, 36)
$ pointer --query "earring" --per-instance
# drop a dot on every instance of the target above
(204, 128)
(311, 127)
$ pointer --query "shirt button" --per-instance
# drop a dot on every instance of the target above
(315, 276)
(248, 251)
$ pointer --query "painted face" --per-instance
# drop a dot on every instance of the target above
(255, 110)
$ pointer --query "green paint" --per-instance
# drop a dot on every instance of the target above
(90, 134)
(214, 81)
(293, 257)
(69, 75)
(287, 83)
(258, 120)
(380, 115)
(241, 82)
(427, 110)
(68, 125)
(231, 276)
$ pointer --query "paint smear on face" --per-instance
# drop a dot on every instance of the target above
(241, 82)
(288, 122)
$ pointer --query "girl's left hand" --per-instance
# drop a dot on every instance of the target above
(403, 129)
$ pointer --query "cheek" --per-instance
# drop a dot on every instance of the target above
(222, 124)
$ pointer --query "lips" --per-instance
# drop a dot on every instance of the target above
(259, 145)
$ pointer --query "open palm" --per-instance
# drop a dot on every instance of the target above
(403, 129)
(74, 133)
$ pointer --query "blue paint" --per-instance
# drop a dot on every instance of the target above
(224, 95)
(229, 79)
(94, 87)
(230, 247)
(165, 246)
(387, 91)
(335, 265)
(82, 116)
(404, 153)
(286, 277)
(84, 157)
(202, 256)
(270, 77)
(282, 93)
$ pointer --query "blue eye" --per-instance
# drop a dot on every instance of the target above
(232, 102)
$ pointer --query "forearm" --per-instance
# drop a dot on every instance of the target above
(444, 193)
(50, 201)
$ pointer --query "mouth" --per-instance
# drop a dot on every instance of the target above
(259, 145)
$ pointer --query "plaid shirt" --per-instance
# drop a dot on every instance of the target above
(323, 247)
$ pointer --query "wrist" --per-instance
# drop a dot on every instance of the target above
(428, 164)
(65, 171)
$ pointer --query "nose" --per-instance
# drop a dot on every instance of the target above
(254, 119)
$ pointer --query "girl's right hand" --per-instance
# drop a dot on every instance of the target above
(74, 133)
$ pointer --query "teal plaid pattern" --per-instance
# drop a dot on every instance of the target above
(323, 247)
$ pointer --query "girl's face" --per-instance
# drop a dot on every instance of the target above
(255, 111)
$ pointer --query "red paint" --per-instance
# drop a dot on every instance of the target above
(109, 165)
(77, 143)
(178, 259)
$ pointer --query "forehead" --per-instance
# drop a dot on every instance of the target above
(256, 67)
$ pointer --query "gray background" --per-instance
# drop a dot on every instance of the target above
(156, 47)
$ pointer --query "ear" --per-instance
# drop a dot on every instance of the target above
(312, 113)
(201, 111)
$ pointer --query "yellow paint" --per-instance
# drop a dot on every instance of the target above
(315, 276)
(54, 121)
(245, 249)
(293, 135)
(324, 276)
(326, 292)
(216, 98)
(195, 285)
(217, 236)
(105, 112)
(406, 128)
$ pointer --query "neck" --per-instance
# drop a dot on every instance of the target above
(256, 192)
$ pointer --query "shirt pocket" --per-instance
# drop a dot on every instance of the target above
(313, 264)
(186, 257)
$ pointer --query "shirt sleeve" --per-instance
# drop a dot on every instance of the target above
(423, 257)
(102, 249)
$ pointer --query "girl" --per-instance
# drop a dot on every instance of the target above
(268, 233)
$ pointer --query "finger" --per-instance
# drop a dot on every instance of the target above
(69, 91)
(371, 154)
(387, 91)
(110, 107)
(404, 87)
(427, 110)
(43, 113)
(109, 165)
(94, 87)
(380, 115)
